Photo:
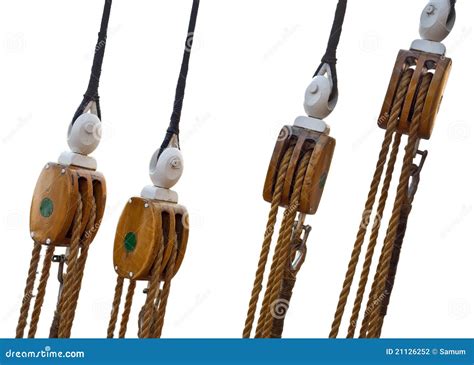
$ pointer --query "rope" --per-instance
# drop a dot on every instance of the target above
(173, 128)
(329, 57)
(153, 290)
(127, 308)
(285, 234)
(268, 305)
(410, 151)
(402, 226)
(364, 276)
(160, 315)
(289, 280)
(41, 291)
(68, 289)
(115, 307)
(28, 292)
(92, 92)
(391, 127)
(262, 262)
(71, 301)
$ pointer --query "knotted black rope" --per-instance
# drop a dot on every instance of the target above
(92, 92)
(329, 57)
(173, 128)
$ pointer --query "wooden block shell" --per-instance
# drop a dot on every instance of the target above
(55, 202)
(144, 226)
(421, 62)
(322, 149)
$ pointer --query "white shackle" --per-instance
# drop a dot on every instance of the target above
(437, 20)
(84, 134)
(166, 170)
(317, 101)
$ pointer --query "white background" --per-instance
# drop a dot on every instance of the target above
(250, 66)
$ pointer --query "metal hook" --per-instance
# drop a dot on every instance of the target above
(299, 244)
(415, 175)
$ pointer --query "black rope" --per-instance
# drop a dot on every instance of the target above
(330, 55)
(173, 128)
(92, 92)
(452, 12)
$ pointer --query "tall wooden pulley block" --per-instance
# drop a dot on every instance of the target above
(302, 140)
(55, 201)
(422, 63)
(145, 227)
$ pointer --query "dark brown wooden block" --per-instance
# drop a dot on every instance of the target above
(422, 63)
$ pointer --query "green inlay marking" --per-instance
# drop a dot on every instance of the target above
(130, 241)
(46, 207)
(322, 180)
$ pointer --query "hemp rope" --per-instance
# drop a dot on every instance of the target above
(127, 308)
(71, 263)
(391, 127)
(28, 292)
(285, 234)
(41, 291)
(160, 315)
(71, 300)
(115, 307)
(364, 276)
(411, 148)
(152, 294)
(267, 240)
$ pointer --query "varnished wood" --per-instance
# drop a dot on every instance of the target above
(151, 222)
(62, 189)
(304, 140)
(422, 62)
(63, 185)
(317, 173)
(139, 218)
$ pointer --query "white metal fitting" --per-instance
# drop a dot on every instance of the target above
(317, 100)
(314, 124)
(437, 20)
(84, 134)
(166, 170)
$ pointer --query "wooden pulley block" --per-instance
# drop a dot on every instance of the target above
(144, 227)
(55, 202)
(421, 63)
(304, 140)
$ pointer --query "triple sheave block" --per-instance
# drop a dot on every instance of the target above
(295, 181)
(152, 233)
(67, 209)
(410, 108)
